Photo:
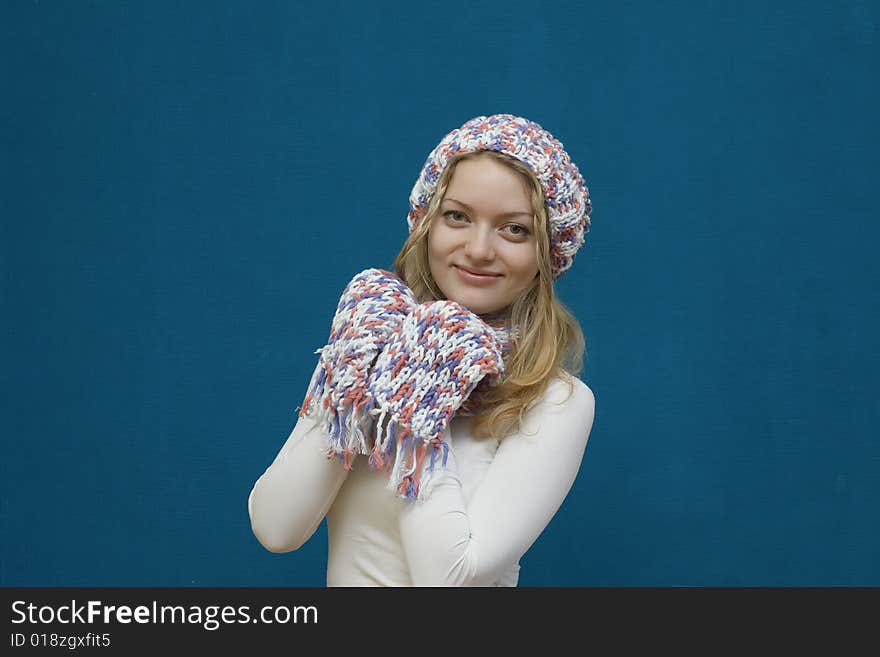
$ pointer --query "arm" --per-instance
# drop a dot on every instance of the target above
(289, 500)
(448, 542)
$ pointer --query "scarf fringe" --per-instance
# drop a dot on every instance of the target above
(408, 461)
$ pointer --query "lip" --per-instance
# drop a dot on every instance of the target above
(472, 277)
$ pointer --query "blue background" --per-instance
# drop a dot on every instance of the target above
(187, 187)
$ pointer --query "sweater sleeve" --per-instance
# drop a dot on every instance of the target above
(289, 500)
(451, 542)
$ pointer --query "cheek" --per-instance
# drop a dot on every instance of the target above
(525, 265)
(439, 243)
(435, 253)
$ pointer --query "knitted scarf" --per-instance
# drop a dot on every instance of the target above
(393, 374)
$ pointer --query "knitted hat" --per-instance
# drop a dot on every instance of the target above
(565, 192)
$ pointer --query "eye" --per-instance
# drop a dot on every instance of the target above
(518, 230)
(454, 215)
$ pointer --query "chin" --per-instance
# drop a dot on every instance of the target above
(476, 306)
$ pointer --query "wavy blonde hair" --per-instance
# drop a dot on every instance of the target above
(550, 343)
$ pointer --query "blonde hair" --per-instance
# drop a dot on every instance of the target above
(550, 341)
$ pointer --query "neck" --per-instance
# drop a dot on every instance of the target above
(496, 317)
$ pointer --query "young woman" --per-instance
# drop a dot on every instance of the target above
(447, 394)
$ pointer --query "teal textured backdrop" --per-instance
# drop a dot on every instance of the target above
(186, 188)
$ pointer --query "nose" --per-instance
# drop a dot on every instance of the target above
(478, 245)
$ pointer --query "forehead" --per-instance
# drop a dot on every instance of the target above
(485, 178)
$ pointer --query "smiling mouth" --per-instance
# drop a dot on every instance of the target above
(473, 273)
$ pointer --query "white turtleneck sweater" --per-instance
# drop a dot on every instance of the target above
(485, 510)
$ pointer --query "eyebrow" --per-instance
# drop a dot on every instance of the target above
(503, 215)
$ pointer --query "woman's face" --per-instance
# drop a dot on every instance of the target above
(481, 245)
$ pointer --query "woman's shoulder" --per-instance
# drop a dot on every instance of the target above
(570, 392)
(562, 416)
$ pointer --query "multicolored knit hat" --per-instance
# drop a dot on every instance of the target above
(565, 192)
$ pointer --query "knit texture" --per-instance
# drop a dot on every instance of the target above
(565, 192)
(393, 374)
